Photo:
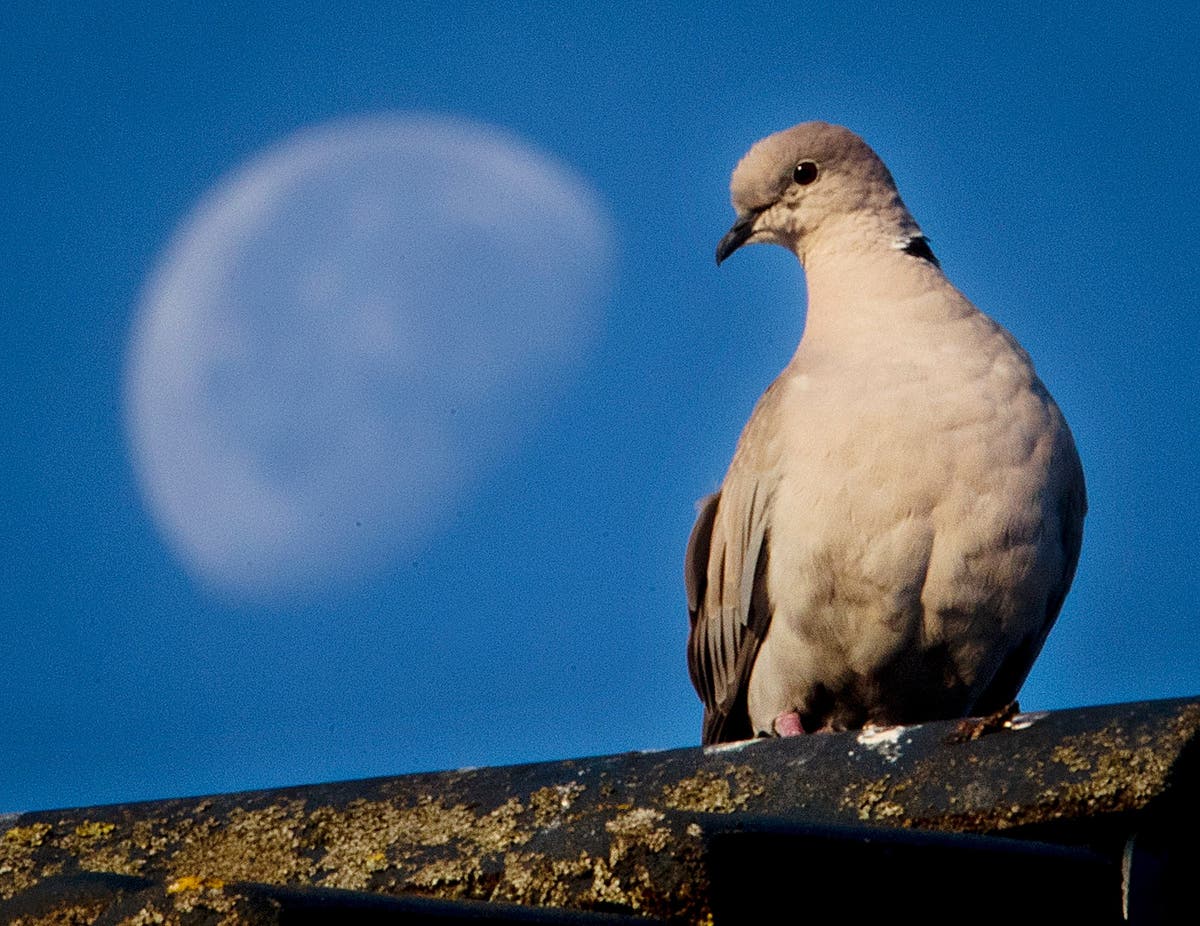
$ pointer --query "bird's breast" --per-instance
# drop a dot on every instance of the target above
(910, 504)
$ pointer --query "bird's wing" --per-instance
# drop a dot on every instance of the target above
(1003, 688)
(724, 573)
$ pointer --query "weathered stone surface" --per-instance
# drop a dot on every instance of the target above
(624, 833)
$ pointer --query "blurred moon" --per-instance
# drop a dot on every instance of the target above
(347, 330)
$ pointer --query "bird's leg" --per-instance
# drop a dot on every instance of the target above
(974, 727)
(788, 724)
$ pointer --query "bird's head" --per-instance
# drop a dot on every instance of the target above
(811, 179)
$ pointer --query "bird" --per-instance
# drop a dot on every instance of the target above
(903, 513)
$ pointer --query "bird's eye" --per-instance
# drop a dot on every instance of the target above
(805, 173)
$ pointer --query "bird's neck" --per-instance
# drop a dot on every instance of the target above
(866, 278)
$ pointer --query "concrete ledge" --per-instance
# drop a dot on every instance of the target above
(1115, 788)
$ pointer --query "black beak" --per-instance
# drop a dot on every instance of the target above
(742, 229)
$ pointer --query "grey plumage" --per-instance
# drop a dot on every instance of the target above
(904, 511)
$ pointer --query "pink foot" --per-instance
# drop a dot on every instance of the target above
(788, 724)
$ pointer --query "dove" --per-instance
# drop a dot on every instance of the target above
(903, 513)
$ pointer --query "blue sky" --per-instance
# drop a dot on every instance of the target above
(539, 614)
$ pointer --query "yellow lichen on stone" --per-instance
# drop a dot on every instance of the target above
(370, 836)
(551, 804)
(149, 836)
(872, 800)
(886, 810)
(533, 879)
(632, 830)
(1069, 756)
(355, 841)
(638, 827)
(98, 846)
(67, 913)
(194, 883)
(250, 845)
(1129, 774)
(749, 783)
(498, 830)
(1187, 723)
(89, 829)
(606, 887)
(624, 880)
(704, 792)
(710, 792)
(444, 872)
(28, 836)
(1123, 772)
(18, 858)
(144, 917)
(196, 899)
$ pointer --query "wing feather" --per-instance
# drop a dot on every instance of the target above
(724, 573)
